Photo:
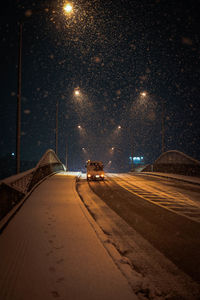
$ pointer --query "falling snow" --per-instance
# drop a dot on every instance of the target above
(113, 51)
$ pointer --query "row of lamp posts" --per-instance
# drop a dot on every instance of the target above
(68, 9)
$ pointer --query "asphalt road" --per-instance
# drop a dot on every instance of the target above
(164, 212)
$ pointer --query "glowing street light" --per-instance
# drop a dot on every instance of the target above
(144, 94)
(68, 8)
(77, 92)
(119, 127)
(85, 151)
(81, 131)
(117, 149)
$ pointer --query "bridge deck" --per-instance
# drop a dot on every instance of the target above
(50, 250)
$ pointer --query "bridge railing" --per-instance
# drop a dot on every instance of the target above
(175, 162)
(13, 189)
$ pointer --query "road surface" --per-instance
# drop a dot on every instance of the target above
(165, 212)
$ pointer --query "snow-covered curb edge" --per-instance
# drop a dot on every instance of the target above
(166, 176)
(122, 263)
(8, 217)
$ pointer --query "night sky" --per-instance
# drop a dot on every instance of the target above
(112, 51)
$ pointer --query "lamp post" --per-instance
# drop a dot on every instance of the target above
(66, 150)
(77, 93)
(163, 126)
(68, 10)
(18, 127)
(116, 148)
(56, 142)
(66, 157)
(117, 155)
(132, 148)
(144, 94)
(131, 139)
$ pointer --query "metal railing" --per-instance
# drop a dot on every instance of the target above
(13, 189)
(175, 162)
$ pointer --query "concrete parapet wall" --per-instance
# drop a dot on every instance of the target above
(182, 169)
(175, 162)
(44, 171)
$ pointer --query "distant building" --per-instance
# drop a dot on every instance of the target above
(137, 160)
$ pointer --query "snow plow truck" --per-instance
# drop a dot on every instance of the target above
(95, 170)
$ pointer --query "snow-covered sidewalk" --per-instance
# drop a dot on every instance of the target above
(50, 250)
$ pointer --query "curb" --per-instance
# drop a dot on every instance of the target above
(170, 177)
(121, 263)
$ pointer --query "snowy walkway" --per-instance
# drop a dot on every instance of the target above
(50, 250)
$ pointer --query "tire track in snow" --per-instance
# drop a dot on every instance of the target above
(173, 201)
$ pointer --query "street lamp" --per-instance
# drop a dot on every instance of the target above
(131, 136)
(18, 127)
(57, 127)
(66, 157)
(77, 93)
(84, 150)
(144, 94)
(66, 153)
(108, 164)
(163, 125)
(117, 149)
(68, 8)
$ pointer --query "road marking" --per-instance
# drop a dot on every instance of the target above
(173, 201)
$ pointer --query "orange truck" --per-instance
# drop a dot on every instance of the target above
(95, 170)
